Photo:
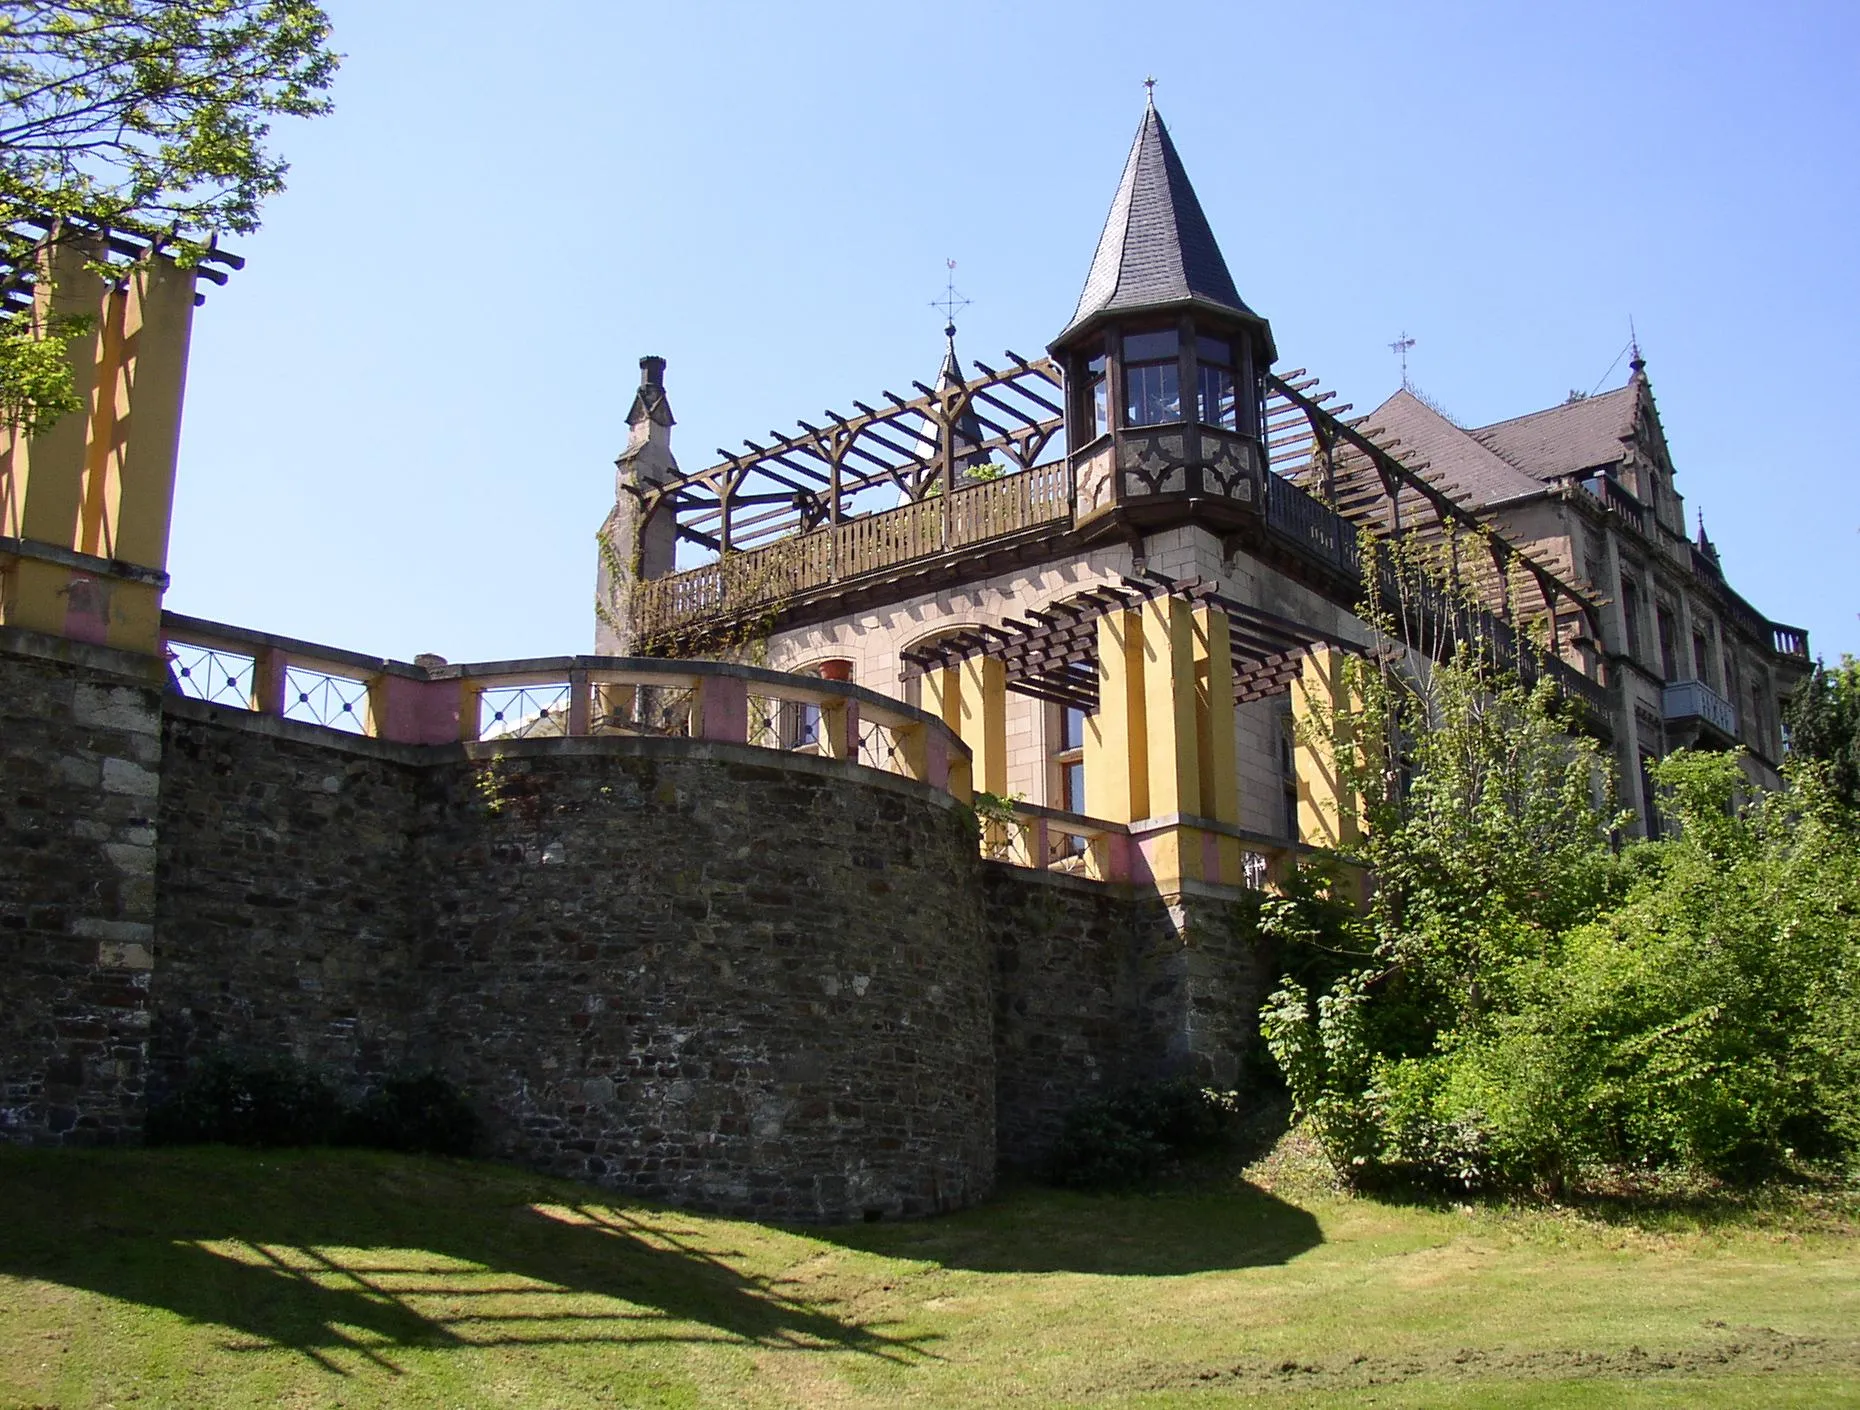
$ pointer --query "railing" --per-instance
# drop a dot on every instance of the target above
(1618, 501)
(1789, 641)
(1310, 527)
(555, 696)
(1694, 700)
(871, 543)
(1047, 839)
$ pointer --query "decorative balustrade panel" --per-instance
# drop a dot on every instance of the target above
(223, 677)
(507, 701)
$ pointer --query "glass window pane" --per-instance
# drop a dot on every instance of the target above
(1153, 394)
(1218, 351)
(1072, 731)
(1072, 788)
(1146, 347)
(1100, 408)
(1218, 406)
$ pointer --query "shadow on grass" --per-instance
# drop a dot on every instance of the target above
(340, 1256)
(1184, 1227)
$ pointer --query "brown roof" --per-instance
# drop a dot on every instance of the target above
(1566, 438)
(1452, 455)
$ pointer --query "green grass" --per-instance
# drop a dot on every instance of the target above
(212, 1277)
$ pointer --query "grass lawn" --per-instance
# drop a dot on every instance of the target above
(213, 1277)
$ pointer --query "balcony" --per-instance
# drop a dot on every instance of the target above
(1618, 501)
(1687, 702)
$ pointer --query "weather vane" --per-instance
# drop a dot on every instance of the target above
(951, 302)
(1400, 348)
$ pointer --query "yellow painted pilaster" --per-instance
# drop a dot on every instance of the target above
(1214, 735)
(45, 473)
(1116, 746)
(1321, 706)
(158, 321)
(1169, 709)
(983, 721)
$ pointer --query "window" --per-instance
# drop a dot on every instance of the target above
(1669, 651)
(1650, 808)
(1152, 379)
(1097, 405)
(1069, 759)
(1219, 405)
(1701, 657)
(1630, 616)
(1288, 772)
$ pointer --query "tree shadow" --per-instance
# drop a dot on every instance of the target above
(1193, 1227)
(347, 1256)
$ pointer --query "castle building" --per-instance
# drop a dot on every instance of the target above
(1059, 529)
(704, 917)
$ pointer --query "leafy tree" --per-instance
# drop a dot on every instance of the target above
(144, 114)
(1824, 725)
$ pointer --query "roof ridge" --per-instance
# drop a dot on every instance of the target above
(1548, 410)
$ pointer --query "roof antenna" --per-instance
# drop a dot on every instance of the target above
(1400, 348)
(1636, 363)
(951, 303)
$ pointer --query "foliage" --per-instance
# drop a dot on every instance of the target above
(269, 1103)
(1538, 1008)
(1824, 725)
(145, 114)
(36, 387)
(1127, 1137)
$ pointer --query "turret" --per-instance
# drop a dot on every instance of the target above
(1165, 364)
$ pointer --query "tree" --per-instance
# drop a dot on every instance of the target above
(1824, 725)
(150, 115)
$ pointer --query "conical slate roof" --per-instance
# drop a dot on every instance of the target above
(1156, 248)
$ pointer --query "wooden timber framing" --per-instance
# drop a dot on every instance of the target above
(22, 249)
(1053, 656)
(802, 482)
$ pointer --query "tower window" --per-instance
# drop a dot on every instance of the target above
(1097, 403)
(1152, 379)
(1215, 373)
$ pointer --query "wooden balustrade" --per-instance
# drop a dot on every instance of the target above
(870, 543)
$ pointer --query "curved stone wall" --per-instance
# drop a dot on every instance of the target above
(751, 984)
(722, 976)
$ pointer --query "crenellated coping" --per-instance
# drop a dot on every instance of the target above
(437, 703)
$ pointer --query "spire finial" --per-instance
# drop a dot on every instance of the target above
(1400, 348)
(1636, 363)
(951, 303)
(1149, 92)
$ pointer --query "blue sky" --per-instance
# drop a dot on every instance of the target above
(402, 415)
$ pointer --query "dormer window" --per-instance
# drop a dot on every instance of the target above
(1152, 378)
(1215, 372)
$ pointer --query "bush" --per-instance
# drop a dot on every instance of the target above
(1131, 1136)
(279, 1102)
(423, 1114)
(243, 1103)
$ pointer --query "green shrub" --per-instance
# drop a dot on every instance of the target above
(422, 1114)
(278, 1102)
(1131, 1136)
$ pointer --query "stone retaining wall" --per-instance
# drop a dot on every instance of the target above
(762, 984)
(80, 742)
